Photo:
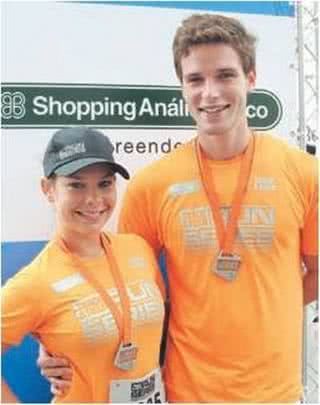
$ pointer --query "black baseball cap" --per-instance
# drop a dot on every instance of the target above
(73, 148)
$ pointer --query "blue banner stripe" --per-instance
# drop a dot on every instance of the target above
(275, 8)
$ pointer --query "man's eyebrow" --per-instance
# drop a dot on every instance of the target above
(192, 74)
(219, 70)
(227, 69)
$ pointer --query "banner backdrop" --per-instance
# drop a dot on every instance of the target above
(109, 65)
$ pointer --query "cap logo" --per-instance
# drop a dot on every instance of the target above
(71, 150)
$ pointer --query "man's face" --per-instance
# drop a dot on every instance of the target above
(215, 88)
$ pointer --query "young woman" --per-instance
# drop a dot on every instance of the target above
(91, 297)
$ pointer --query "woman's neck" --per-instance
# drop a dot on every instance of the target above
(88, 245)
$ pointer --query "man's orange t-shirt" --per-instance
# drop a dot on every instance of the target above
(241, 340)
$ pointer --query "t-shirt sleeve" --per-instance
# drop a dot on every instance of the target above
(310, 239)
(138, 214)
(20, 307)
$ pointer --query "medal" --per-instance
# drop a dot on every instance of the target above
(126, 356)
(227, 265)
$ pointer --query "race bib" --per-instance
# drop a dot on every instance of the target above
(146, 390)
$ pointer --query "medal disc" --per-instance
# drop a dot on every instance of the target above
(126, 356)
(227, 265)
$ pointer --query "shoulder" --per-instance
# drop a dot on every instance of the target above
(30, 284)
(274, 143)
(161, 171)
(128, 241)
(293, 160)
(31, 270)
(36, 275)
(134, 248)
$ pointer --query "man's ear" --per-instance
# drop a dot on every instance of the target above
(47, 187)
(251, 80)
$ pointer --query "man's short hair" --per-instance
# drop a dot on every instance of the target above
(212, 28)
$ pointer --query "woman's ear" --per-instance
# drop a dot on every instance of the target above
(47, 187)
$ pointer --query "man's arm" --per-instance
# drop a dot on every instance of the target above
(310, 280)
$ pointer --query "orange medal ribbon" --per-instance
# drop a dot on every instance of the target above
(228, 263)
(127, 351)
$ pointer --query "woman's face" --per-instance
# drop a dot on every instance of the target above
(83, 201)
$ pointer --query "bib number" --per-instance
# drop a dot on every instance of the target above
(146, 390)
(154, 399)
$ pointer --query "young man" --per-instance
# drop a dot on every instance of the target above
(235, 213)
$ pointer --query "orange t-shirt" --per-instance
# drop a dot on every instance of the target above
(50, 299)
(242, 340)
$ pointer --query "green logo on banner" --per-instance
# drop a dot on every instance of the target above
(13, 105)
(264, 109)
(111, 106)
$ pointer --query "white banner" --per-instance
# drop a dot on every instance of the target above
(111, 66)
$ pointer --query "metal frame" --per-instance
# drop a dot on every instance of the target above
(307, 14)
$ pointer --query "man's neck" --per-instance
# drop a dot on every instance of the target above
(88, 245)
(224, 146)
